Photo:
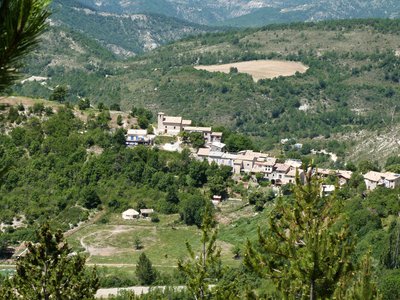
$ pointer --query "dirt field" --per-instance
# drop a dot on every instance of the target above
(260, 69)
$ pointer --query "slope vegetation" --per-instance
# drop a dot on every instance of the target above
(352, 83)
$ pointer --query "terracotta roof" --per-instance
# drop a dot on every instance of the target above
(218, 144)
(270, 161)
(229, 156)
(131, 212)
(345, 174)
(324, 171)
(281, 167)
(203, 152)
(192, 128)
(292, 173)
(174, 120)
(374, 176)
(137, 132)
(293, 163)
(216, 133)
(391, 176)
(216, 154)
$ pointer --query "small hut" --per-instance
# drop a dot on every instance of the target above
(130, 214)
(146, 212)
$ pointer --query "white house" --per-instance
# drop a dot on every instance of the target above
(130, 214)
(138, 137)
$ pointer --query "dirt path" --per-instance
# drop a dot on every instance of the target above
(87, 223)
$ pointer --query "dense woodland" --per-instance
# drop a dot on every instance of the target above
(57, 169)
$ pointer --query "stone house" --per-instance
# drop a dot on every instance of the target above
(168, 125)
(374, 179)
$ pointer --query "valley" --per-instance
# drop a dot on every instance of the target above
(159, 149)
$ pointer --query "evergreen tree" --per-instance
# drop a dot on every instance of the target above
(391, 255)
(363, 286)
(21, 23)
(50, 270)
(145, 271)
(203, 269)
(303, 253)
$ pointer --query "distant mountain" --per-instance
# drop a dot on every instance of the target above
(252, 12)
(317, 10)
(197, 11)
(125, 34)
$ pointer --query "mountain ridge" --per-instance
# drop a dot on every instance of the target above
(223, 12)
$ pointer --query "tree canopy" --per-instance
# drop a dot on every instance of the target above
(50, 270)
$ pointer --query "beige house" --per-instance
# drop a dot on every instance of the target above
(218, 157)
(216, 137)
(206, 131)
(374, 179)
(171, 125)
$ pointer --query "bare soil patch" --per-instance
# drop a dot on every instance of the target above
(260, 69)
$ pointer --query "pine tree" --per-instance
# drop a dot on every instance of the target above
(145, 271)
(391, 256)
(21, 23)
(203, 269)
(302, 252)
(363, 286)
(50, 270)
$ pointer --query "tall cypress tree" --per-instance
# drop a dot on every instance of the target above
(145, 271)
(306, 250)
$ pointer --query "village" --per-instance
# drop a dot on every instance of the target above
(249, 161)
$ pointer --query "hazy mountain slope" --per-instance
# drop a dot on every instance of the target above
(124, 34)
(253, 12)
(306, 10)
(198, 11)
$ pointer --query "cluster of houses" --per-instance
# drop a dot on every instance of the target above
(170, 126)
(249, 161)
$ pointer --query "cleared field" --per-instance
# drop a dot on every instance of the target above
(260, 69)
(114, 245)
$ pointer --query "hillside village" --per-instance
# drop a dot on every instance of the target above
(248, 161)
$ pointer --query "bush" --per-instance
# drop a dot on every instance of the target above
(155, 218)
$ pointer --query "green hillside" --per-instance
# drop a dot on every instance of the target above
(123, 34)
(352, 83)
